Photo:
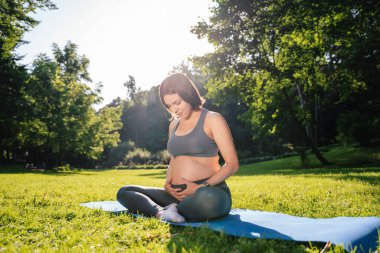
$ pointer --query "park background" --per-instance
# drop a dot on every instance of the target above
(297, 81)
(289, 77)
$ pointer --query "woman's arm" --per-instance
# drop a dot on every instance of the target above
(168, 182)
(223, 138)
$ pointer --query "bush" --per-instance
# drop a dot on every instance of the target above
(139, 156)
(117, 154)
(63, 168)
(162, 157)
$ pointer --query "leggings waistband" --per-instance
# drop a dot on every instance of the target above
(222, 185)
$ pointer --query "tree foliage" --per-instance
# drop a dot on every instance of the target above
(62, 126)
(15, 19)
(290, 62)
(145, 121)
(284, 74)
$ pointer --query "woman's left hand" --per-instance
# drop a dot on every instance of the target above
(190, 189)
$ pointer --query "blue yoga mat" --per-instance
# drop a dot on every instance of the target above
(350, 232)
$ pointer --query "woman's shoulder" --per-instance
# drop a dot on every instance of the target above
(213, 118)
(212, 114)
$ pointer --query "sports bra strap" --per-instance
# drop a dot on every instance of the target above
(194, 143)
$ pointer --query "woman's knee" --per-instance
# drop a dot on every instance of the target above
(206, 203)
(123, 190)
(214, 198)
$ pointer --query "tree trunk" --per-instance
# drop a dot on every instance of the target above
(316, 116)
(302, 103)
(307, 139)
(60, 157)
(48, 159)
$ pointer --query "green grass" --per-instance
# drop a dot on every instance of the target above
(40, 212)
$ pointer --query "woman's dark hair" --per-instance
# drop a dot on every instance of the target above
(184, 87)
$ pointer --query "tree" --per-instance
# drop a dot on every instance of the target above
(145, 121)
(12, 109)
(63, 126)
(282, 58)
(131, 88)
(15, 20)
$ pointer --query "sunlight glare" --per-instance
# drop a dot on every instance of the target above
(145, 39)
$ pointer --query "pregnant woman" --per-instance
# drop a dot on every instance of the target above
(195, 187)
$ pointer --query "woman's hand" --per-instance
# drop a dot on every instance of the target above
(175, 192)
(190, 189)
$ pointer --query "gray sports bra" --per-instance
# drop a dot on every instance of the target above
(195, 143)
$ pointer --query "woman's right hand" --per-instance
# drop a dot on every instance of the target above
(175, 192)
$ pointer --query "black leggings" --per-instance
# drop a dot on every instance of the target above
(205, 204)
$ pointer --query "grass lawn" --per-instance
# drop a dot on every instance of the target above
(40, 212)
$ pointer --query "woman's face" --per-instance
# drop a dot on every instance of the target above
(177, 106)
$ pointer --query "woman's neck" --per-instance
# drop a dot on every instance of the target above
(194, 116)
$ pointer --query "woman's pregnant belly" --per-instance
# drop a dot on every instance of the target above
(192, 168)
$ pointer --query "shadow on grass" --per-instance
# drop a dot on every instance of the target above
(345, 164)
(189, 239)
(161, 174)
(363, 173)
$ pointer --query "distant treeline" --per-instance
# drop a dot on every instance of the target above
(288, 76)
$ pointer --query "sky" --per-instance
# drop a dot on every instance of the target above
(142, 38)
